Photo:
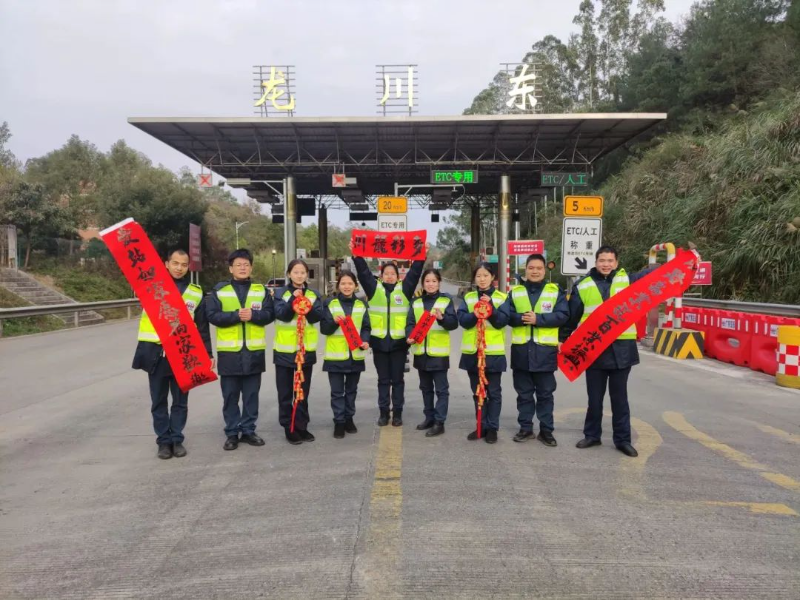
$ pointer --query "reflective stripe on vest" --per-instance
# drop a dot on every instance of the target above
(393, 309)
(437, 342)
(286, 333)
(592, 298)
(234, 337)
(495, 338)
(192, 297)
(545, 336)
(336, 347)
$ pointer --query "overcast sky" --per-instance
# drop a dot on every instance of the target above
(84, 66)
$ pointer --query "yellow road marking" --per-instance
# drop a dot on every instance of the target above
(385, 506)
(632, 469)
(784, 435)
(760, 508)
(679, 423)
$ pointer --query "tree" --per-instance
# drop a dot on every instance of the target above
(7, 158)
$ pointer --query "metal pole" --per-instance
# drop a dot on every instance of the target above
(503, 222)
(290, 221)
(475, 233)
(323, 249)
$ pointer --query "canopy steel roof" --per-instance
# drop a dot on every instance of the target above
(380, 151)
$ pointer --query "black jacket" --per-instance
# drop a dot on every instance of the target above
(621, 354)
(243, 362)
(498, 319)
(328, 326)
(534, 357)
(369, 283)
(149, 356)
(285, 313)
(449, 321)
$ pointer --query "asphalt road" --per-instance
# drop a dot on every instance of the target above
(708, 510)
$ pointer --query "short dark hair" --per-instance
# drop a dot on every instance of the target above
(293, 263)
(606, 250)
(535, 256)
(240, 253)
(343, 274)
(427, 272)
(384, 266)
(482, 265)
(178, 251)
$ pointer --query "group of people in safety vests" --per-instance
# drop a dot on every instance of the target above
(538, 313)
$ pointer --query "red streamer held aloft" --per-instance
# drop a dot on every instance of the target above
(622, 311)
(161, 300)
(400, 245)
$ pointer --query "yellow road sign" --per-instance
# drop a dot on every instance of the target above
(583, 206)
(392, 204)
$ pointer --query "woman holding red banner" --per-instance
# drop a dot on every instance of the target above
(484, 315)
(389, 302)
(432, 355)
(297, 309)
(344, 318)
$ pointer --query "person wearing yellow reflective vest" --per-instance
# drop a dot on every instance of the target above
(432, 356)
(240, 310)
(613, 366)
(149, 356)
(536, 310)
(389, 302)
(496, 363)
(285, 350)
(344, 366)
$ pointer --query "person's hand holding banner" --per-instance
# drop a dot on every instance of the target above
(622, 311)
(423, 326)
(350, 332)
(400, 245)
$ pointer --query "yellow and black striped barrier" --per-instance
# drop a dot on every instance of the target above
(679, 343)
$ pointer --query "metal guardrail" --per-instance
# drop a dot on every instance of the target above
(54, 309)
(779, 310)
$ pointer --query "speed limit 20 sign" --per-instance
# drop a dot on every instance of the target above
(583, 206)
(392, 204)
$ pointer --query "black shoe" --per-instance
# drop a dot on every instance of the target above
(628, 450)
(164, 451)
(523, 436)
(491, 436)
(252, 439)
(306, 435)
(587, 443)
(546, 437)
(349, 426)
(232, 443)
(397, 418)
(437, 429)
(338, 430)
(426, 424)
(474, 435)
(383, 420)
(178, 451)
(292, 438)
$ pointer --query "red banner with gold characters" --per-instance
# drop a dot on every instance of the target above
(423, 326)
(161, 300)
(400, 245)
(351, 333)
(622, 311)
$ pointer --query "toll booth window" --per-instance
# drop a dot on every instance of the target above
(311, 274)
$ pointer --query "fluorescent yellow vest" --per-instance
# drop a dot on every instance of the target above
(192, 297)
(286, 333)
(388, 312)
(592, 298)
(437, 342)
(495, 338)
(336, 347)
(234, 337)
(545, 336)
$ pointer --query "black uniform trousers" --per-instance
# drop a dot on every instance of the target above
(247, 387)
(344, 387)
(490, 419)
(534, 396)
(284, 380)
(390, 367)
(168, 425)
(430, 382)
(617, 382)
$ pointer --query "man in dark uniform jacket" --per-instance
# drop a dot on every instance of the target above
(150, 357)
